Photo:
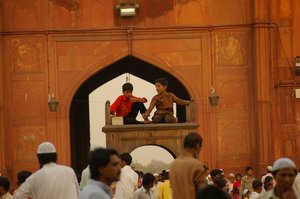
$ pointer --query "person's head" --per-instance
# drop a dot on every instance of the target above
(212, 192)
(126, 159)
(161, 85)
(167, 175)
(268, 186)
(269, 179)
(4, 185)
(284, 172)
(249, 171)
(148, 180)
(105, 165)
(193, 143)
(269, 169)
(156, 176)
(231, 177)
(238, 177)
(127, 89)
(257, 186)
(215, 173)
(46, 153)
(22, 176)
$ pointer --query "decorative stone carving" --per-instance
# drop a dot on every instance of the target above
(69, 4)
(229, 49)
(26, 56)
(27, 141)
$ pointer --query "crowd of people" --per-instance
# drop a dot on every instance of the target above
(110, 175)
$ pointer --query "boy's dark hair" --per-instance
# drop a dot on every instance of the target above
(126, 157)
(46, 158)
(100, 157)
(163, 81)
(249, 168)
(127, 87)
(220, 182)
(191, 140)
(267, 185)
(256, 184)
(4, 182)
(22, 176)
(268, 179)
(148, 178)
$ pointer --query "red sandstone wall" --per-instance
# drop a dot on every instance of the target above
(60, 45)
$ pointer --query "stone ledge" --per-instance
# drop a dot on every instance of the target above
(148, 127)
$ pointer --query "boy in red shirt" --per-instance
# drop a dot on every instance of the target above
(128, 106)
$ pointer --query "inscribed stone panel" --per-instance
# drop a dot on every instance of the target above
(78, 56)
(230, 48)
(179, 52)
(234, 92)
(233, 139)
(28, 99)
(28, 55)
(27, 139)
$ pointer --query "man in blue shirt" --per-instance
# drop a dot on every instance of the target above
(105, 169)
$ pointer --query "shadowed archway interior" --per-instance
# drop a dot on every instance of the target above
(79, 111)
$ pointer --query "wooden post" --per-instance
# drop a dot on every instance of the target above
(107, 113)
(190, 112)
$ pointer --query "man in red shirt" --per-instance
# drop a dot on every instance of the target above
(128, 106)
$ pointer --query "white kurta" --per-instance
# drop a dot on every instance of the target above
(51, 181)
(85, 177)
(127, 184)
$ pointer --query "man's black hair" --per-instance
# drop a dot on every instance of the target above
(163, 81)
(22, 176)
(100, 157)
(215, 172)
(127, 87)
(4, 182)
(212, 192)
(126, 157)
(191, 140)
(46, 158)
(256, 184)
(148, 178)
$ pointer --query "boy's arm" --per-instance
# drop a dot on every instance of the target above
(179, 101)
(115, 105)
(134, 99)
(152, 105)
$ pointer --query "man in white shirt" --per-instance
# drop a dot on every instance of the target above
(257, 188)
(145, 192)
(128, 182)
(51, 180)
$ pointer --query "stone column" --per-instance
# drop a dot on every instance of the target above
(262, 60)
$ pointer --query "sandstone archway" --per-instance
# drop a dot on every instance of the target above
(79, 112)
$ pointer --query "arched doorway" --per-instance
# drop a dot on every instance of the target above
(79, 110)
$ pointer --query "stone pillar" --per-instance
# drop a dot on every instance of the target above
(263, 54)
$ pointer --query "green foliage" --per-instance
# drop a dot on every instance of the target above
(155, 166)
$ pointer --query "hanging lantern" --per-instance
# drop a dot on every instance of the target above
(213, 98)
(52, 103)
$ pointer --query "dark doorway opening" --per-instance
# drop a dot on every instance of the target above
(79, 110)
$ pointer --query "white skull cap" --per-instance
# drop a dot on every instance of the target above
(269, 168)
(283, 163)
(46, 147)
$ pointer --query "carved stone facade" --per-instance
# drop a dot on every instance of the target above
(56, 46)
